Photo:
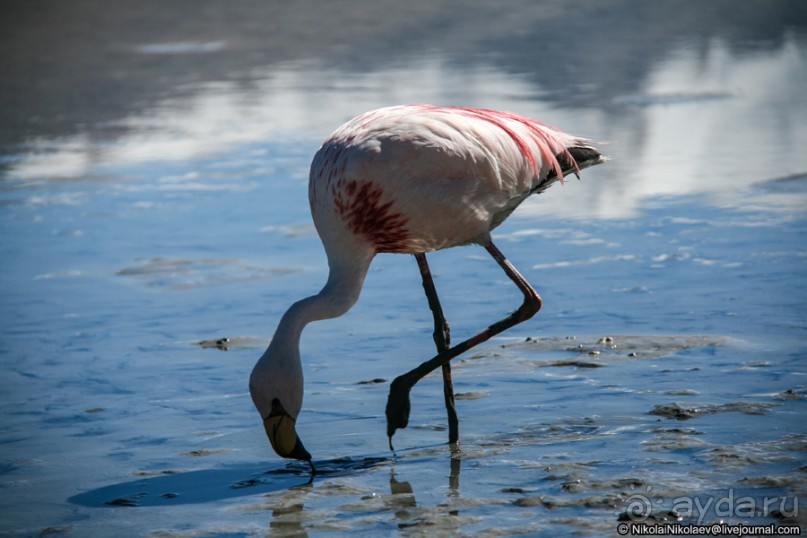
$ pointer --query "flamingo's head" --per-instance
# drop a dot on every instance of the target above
(279, 426)
(277, 393)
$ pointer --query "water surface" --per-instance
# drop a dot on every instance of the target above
(666, 366)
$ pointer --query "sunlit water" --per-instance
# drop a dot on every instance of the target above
(667, 364)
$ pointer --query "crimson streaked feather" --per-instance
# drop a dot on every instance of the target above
(434, 176)
(538, 133)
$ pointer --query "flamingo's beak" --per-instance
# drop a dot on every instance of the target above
(280, 430)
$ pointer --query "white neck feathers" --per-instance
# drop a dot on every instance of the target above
(278, 373)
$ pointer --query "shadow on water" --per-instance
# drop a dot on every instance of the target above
(206, 485)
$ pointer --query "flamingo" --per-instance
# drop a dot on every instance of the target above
(411, 179)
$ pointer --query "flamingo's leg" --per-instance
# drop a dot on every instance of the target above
(398, 401)
(442, 339)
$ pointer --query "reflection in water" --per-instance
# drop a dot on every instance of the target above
(402, 500)
(699, 122)
(291, 518)
(288, 526)
(454, 475)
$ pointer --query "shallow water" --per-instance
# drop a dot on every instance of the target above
(149, 251)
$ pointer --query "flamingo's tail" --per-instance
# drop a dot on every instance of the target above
(577, 156)
(584, 156)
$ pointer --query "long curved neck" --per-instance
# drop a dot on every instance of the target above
(279, 373)
(339, 294)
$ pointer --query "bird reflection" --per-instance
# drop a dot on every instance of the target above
(288, 511)
(401, 499)
(454, 475)
(287, 521)
(402, 496)
(289, 515)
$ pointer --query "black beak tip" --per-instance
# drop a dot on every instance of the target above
(299, 452)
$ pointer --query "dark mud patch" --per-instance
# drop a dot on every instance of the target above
(204, 452)
(609, 348)
(680, 392)
(180, 274)
(672, 439)
(791, 394)
(225, 343)
(158, 472)
(376, 381)
(683, 412)
(790, 448)
(569, 363)
(538, 434)
(470, 395)
(56, 530)
(792, 482)
(591, 501)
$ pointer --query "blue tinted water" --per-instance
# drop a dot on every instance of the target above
(120, 254)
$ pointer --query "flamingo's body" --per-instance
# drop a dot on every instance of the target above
(408, 179)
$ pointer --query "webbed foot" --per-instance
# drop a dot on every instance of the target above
(397, 406)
